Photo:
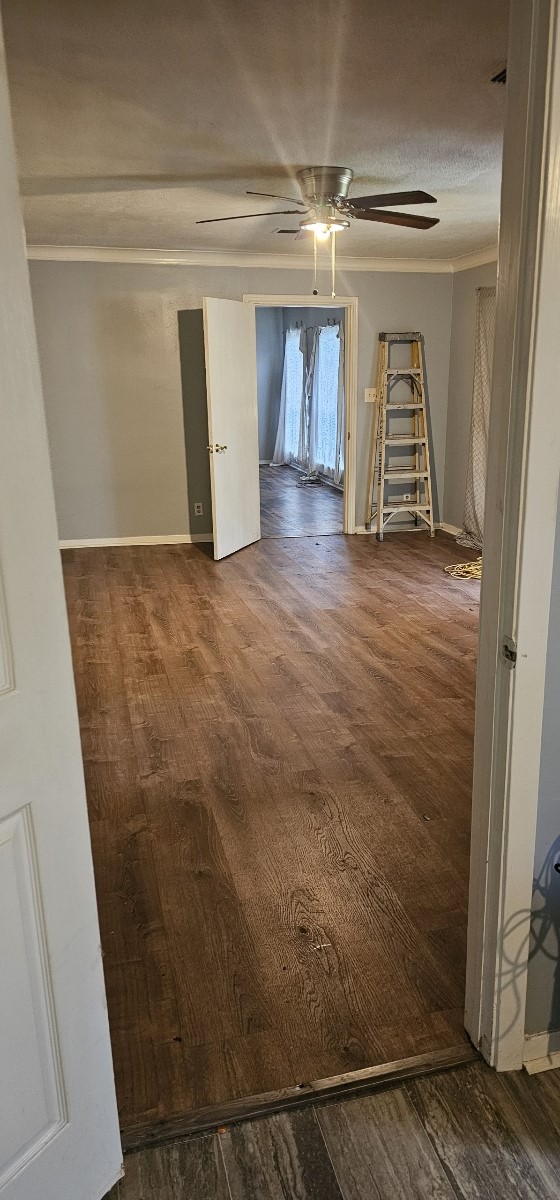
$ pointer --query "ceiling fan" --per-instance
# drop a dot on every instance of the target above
(326, 207)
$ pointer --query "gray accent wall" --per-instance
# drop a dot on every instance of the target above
(109, 350)
(461, 377)
(195, 417)
(270, 364)
(311, 316)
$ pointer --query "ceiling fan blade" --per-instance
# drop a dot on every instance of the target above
(296, 233)
(411, 220)
(279, 212)
(387, 198)
(274, 196)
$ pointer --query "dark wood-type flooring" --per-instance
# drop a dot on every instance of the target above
(277, 752)
(468, 1134)
(291, 511)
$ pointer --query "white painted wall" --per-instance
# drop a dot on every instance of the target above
(461, 376)
(109, 354)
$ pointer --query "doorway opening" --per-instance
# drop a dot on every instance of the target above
(266, 739)
(302, 418)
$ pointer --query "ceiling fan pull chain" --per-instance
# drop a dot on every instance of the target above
(314, 263)
(333, 262)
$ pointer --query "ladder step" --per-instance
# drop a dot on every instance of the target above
(406, 507)
(399, 440)
(395, 473)
(403, 371)
(393, 406)
(400, 337)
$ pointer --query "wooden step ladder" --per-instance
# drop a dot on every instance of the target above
(384, 471)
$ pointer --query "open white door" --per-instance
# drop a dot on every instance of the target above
(233, 432)
(59, 1134)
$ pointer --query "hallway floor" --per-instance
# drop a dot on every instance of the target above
(278, 757)
(291, 511)
(466, 1134)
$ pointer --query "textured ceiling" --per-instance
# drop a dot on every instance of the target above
(133, 117)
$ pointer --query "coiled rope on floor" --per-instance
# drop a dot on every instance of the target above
(468, 570)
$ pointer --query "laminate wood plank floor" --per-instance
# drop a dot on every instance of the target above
(278, 758)
(291, 511)
(467, 1134)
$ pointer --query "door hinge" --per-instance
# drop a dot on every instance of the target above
(509, 651)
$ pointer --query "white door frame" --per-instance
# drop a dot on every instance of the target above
(350, 304)
(520, 527)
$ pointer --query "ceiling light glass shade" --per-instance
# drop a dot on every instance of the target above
(323, 229)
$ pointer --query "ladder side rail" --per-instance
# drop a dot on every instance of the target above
(373, 464)
(382, 446)
(416, 423)
(429, 496)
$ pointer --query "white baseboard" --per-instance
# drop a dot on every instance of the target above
(178, 539)
(542, 1051)
(164, 539)
(395, 528)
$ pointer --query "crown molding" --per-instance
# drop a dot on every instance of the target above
(227, 258)
(234, 258)
(477, 258)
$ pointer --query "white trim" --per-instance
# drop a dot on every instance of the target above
(453, 529)
(236, 258)
(542, 1051)
(350, 303)
(164, 539)
(477, 258)
(520, 525)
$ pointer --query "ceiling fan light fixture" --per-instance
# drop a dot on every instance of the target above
(323, 229)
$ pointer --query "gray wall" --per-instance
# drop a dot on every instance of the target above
(270, 362)
(195, 417)
(111, 379)
(461, 375)
(543, 985)
(311, 316)
(109, 350)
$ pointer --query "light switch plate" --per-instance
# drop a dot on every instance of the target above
(371, 395)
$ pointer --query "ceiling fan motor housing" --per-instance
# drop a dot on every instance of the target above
(321, 185)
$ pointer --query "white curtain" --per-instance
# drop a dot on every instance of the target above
(311, 424)
(473, 522)
(291, 436)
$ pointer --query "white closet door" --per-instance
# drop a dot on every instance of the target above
(233, 433)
